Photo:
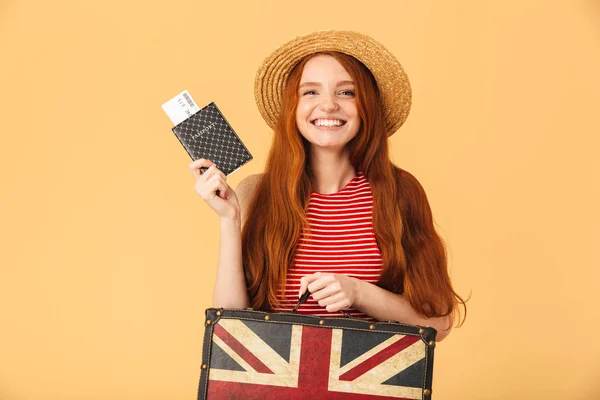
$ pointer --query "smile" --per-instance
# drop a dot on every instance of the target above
(328, 122)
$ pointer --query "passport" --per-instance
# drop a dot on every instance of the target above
(207, 134)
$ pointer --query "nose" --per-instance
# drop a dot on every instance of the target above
(328, 103)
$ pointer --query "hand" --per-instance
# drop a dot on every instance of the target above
(225, 203)
(335, 292)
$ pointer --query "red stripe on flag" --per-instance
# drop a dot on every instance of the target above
(378, 358)
(241, 350)
(221, 390)
(314, 361)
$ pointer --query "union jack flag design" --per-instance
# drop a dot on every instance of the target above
(256, 359)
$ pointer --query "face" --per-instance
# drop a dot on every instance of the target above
(327, 115)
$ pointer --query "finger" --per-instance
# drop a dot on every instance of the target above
(199, 169)
(216, 171)
(202, 169)
(320, 282)
(340, 305)
(224, 190)
(329, 290)
(207, 188)
(305, 280)
(202, 162)
(217, 188)
(212, 176)
(213, 170)
(209, 173)
(303, 285)
(196, 172)
(335, 298)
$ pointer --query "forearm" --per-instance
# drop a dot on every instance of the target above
(384, 305)
(230, 285)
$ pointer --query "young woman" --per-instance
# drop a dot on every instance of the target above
(331, 213)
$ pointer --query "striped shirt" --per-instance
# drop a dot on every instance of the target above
(342, 242)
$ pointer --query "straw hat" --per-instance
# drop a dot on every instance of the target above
(390, 76)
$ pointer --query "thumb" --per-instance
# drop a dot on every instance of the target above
(303, 285)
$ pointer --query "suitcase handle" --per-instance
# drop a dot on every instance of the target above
(301, 300)
(304, 297)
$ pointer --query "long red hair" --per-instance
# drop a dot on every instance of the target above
(414, 256)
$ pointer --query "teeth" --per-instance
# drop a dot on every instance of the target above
(328, 122)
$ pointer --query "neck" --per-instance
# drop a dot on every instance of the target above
(331, 171)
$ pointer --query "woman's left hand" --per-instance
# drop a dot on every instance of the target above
(335, 292)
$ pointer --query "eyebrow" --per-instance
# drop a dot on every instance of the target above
(340, 83)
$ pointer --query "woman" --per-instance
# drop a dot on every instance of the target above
(331, 214)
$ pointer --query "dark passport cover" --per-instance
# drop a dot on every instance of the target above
(207, 134)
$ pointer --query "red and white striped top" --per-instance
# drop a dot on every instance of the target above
(343, 242)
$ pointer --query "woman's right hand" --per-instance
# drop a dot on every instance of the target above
(225, 203)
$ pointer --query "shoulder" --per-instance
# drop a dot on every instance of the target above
(245, 191)
(248, 185)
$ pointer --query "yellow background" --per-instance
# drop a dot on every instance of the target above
(108, 256)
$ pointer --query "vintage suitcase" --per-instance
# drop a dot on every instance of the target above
(250, 354)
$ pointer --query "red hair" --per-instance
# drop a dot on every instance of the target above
(414, 256)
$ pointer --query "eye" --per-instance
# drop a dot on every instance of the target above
(310, 92)
(348, 92)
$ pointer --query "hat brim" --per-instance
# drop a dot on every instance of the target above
(392, 81)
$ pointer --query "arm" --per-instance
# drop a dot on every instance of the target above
(384, 305)
(230, 285)
(230, 289)
(336, 292)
